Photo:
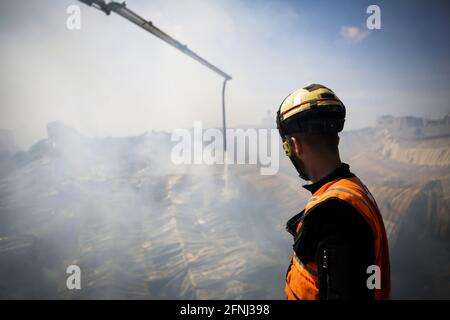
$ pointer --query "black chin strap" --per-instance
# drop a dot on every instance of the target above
(289, 152)
(297, 164)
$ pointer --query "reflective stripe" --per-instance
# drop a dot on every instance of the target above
(309, 269)
(292, 292)
(356, 195)
(320, 196)
(343, 190)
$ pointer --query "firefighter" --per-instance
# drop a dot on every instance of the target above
(340, 248)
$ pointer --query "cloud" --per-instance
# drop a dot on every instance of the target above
(353, 34)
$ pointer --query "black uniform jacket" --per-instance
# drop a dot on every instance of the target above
(336, 229)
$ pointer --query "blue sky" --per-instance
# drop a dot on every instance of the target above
(110, 78)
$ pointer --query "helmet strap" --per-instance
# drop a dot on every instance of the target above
(294, 159)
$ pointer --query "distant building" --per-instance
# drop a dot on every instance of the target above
(411, 128)
(439, 127)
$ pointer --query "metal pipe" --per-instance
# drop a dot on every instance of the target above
(224, 125)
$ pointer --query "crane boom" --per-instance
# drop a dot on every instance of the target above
(123, 11)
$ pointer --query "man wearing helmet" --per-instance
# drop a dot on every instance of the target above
(340, 234)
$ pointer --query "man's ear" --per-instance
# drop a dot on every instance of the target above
(296, 146)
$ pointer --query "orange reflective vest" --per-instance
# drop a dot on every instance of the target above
(301, 280)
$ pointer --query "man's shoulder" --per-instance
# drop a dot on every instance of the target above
(333, 220)
(335, 213)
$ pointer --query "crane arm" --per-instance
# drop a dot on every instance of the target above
(123, 11)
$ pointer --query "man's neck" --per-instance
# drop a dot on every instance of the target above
(321, 169)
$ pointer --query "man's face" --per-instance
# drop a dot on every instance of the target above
(297, 157)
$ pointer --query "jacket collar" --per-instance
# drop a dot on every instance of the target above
(343, 171)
